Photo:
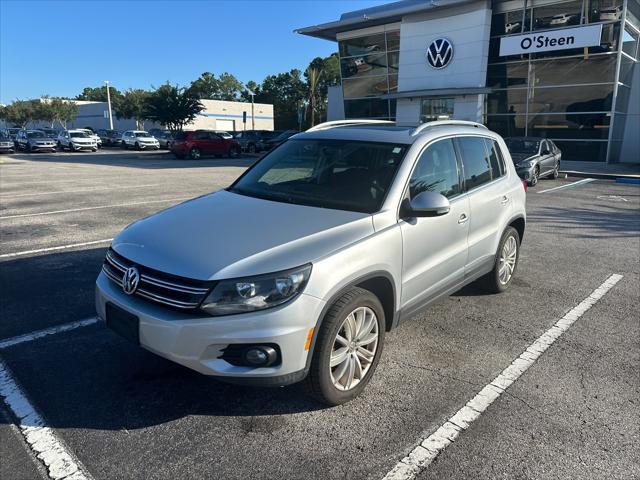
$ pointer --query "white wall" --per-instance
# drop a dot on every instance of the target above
(467, 27)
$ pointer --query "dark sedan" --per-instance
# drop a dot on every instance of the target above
(534, 158)
(273, 142)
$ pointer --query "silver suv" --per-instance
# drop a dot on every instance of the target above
(299, 268)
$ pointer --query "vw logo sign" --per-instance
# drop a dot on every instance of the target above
(440, 53)
(130, 280)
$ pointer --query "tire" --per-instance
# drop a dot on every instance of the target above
(492, 282)
(194, 153)
(94, 149)
(536, 176)
(60, 147)
(234, 152)
(556, 171)
(320, 382)
(137, 146)
(124, 145)
(71, 149)
(251, 148)
(28, 148)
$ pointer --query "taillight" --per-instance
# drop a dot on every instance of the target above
(524, 185)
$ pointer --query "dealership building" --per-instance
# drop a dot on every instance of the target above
(217, 115)
(564, 70)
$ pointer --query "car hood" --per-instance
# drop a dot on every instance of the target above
(227, 235)
(522, 157)
(82, 139)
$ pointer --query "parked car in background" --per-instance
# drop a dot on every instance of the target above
(34, 141)
(7, 144)
(76, 140)
(165, 137)
(251, 140)
(140, 140)
(50, 132)
(564, 19)
(299, 268)
(93, 135)
(277, 140)
(154, 132)
(224, 134)
(198, 143)
(534, 158)
(12, 132)
(610, 13)
(109, 138)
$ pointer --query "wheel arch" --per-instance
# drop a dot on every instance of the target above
(519, 224)
(381, 284)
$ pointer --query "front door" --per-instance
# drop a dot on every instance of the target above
(434, 248)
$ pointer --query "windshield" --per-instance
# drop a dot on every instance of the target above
(340, 174)
(142, 134)
(78, 135)
(37, 134)
(522, 145)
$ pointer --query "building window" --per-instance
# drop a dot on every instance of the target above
(432, 109)
(369, 68)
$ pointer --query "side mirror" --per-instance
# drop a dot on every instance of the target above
(425, 204)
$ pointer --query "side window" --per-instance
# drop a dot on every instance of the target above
(436, 171)
(477, 167)
(496, 160)
(200, 136)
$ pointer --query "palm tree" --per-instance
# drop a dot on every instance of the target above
(313, 77)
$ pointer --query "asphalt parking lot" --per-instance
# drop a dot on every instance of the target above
(123, 412)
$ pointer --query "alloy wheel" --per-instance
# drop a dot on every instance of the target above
(354, 348)
(508, 258)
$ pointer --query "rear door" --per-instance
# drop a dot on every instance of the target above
(485, 182)
(217, 143)
(434, 250)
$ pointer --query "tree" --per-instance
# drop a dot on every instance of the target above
(287, 92)
(63, 110)
(313, 76)
(19, 112)
(330, 68)
(172, 106)
(99, 94)
(132, 106)
(225, 87)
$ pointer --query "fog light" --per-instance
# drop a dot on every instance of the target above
(260, 356)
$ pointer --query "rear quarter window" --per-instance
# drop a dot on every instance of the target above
(475, 160)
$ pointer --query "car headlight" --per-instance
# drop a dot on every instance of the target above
(249, 294)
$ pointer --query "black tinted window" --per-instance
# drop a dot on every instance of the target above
(477, 167)
(495, 158)
(201, 136)
(436, 171)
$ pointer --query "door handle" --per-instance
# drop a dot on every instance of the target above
(504, 200)
(463, 218)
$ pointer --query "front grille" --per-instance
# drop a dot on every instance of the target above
(158, 287)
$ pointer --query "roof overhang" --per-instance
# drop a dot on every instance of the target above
(437, 92)
(371, 17)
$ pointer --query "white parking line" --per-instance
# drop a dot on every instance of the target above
(29, 337)
(569, 185)
(429, 448)
(84, 209)
(60, 462)
(89, 189)
(53, 249)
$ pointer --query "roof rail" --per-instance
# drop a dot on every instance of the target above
(346, 123)
(442, 123)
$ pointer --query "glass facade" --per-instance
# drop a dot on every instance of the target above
(576, 97)
(369, 69)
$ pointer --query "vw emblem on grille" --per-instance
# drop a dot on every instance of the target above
(130, 280)
(440, 53)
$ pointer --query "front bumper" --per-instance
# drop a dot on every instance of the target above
(196, 341)
(525, 172)
(149, 146)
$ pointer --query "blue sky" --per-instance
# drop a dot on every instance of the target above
(58, 47)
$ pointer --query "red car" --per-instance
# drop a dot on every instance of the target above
(198, 143)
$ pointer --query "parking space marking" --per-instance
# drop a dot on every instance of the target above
(29, 337)
(53, 249)
(569, 185)
(45, 444)
(429, 448)
(84, 209)
(88, 189)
